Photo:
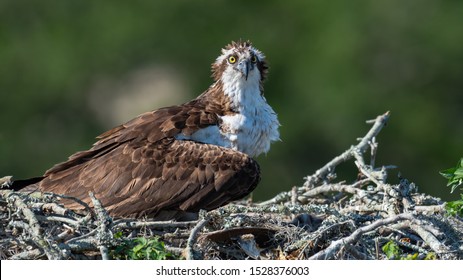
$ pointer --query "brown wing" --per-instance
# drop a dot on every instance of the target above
(136, 179)
(139, 168)
(151, 126)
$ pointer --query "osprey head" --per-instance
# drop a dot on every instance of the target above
(240, 61)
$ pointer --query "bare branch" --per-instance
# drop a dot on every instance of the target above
(194, 235)
(335, 246)
(35, 229)
(104, 233)
(132, 224)
(323, 173)
(361, 147)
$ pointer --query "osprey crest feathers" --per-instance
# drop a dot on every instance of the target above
(178, 159)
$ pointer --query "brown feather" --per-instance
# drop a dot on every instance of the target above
(129, 184)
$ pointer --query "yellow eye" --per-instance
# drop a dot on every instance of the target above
(232, 59)
(253, 59)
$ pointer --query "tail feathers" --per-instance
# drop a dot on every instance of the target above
(7, 183)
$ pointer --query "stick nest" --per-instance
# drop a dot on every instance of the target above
(325, 218)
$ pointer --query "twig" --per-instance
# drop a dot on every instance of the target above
(104, 235)
(58, 219)
(361, 147)
(338, 188)
(373, 149)
(85, 236)
(372, 175)
(329, 252)
(322, 173)
(294, 196)
(430, 208)
(357, 254)
(5, 182)
(35, 228)
(85, 205)
(51, 207)
(83, 245)
(194, 235)
(28, 255)
(174, 250)
(361, 209)
(65, 234)
(398, 229)
(132, 224)
(428, 235)
(19, 224)
(430, 239)
(406, 244)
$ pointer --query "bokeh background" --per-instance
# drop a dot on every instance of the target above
(70, 70)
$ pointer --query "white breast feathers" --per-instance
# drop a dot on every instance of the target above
(252, 129)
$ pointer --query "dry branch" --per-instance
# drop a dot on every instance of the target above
(335, 246)
(360, 148)
(322, 174)
(194, 235)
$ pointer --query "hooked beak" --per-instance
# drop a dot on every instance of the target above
(244, 67)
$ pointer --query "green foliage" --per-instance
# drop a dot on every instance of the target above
(454, 208)
(410, 257)
(140, 248)
(454, 175)
(118, 235)
(431, 256)
(393, 252)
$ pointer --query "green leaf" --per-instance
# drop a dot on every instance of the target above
(430, 256)
(141, 248)
(118, 235)
(454, 208)
(448, 173)
(137, 248)
(454, 175)
(410, 257)
(392, 250)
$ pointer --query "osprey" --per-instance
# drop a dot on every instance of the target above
(179, 159)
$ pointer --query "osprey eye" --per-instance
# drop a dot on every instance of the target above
(253, 59)
(232, 59)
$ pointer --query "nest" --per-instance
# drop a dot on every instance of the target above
(325, 218)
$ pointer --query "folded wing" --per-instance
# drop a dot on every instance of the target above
(139, 168)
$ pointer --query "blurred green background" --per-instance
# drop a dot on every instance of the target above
(70, 70)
